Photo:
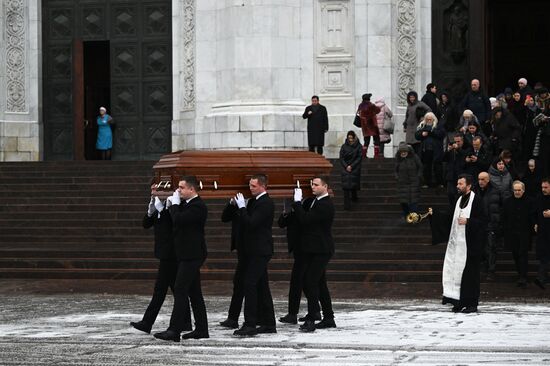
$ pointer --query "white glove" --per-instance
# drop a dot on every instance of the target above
(176, 199)
(151, 208)
(158, 204)
(239, 199)
(297, 194)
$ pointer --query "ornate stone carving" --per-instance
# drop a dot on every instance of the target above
(188, 67)
(15, 55)
(406, 49)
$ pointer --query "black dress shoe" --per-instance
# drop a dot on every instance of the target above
(266, 329)
(457, 308)
(469, 309)
(168, 335)
(141, 325)
(326, 323)
(289, 319)
(317, 316)
(230, 323)
(196, 334)
(246, 331)
(539, 283)
(308, 326)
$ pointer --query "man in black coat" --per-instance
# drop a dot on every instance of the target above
(317, 244)
(159, 218)
(476, 101)
(256, 219)
(317, 124)
(478, 158)
(189, 215)
(518, 218)
(542, 228)
(455, 157)
(492, 205)
(289, 221)
(230, 213)
(430, 98)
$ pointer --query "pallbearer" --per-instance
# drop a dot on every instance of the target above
(189, 214)
(317, 246)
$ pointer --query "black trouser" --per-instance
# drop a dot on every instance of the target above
(315, 278)
(258, 303)
(188, 286)
(375, 138)
(349, 195)
(416, 147)
(319, 149)
(452, 194)
(238, 289)
(429, 164)
(297, 284)
(544, 265)
(518, 242)
(491, 251)
(166, 277)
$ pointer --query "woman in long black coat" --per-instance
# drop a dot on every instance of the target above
(350, 160)
(408, 172)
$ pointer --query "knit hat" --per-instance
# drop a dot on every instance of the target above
(403, 146)
(523, 81)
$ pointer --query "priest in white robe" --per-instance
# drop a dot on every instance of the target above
(461, 278)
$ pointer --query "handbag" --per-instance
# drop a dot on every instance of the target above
(357, 121)
(388, 125)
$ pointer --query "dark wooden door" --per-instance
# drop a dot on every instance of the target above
(139, 34)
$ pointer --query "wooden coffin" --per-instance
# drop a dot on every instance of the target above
(223, 173)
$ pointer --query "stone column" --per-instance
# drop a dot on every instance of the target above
(20, 80)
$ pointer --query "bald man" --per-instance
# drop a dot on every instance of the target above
(476, 101)
(490, 198)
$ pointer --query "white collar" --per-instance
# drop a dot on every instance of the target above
(195, 196)
(322, 196)
(261, 194)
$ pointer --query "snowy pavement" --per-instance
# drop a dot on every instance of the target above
(93, 329)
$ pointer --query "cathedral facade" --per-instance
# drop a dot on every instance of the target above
(202, 74)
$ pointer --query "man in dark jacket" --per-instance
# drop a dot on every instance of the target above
(490, 197)
(189, 214)
(455, 157)
(317, 124)
(231, 214)
(542, 228)
(476, 101)
(159, 218)
(477, 158)
(518, 220)
(289, 221)
(257, 243)
(506, 133)
(318, 246)
(430, 98)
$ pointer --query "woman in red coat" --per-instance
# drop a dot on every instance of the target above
(367, 111)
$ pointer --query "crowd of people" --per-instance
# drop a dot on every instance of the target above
(501, 147)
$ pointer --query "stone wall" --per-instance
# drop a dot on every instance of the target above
(251, 66)
(20, 80)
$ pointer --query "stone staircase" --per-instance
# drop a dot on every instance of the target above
(82, 220)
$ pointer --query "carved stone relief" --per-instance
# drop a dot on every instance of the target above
(188, 66)
(334, 44)
(406, 49)
(15, 55)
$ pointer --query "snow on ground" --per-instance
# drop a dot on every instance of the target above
(93, 329)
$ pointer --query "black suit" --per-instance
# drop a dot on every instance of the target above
(318, 246)
(257, 246)
(288, 220)
(230, 214)
(188, 221)
(168, 265)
